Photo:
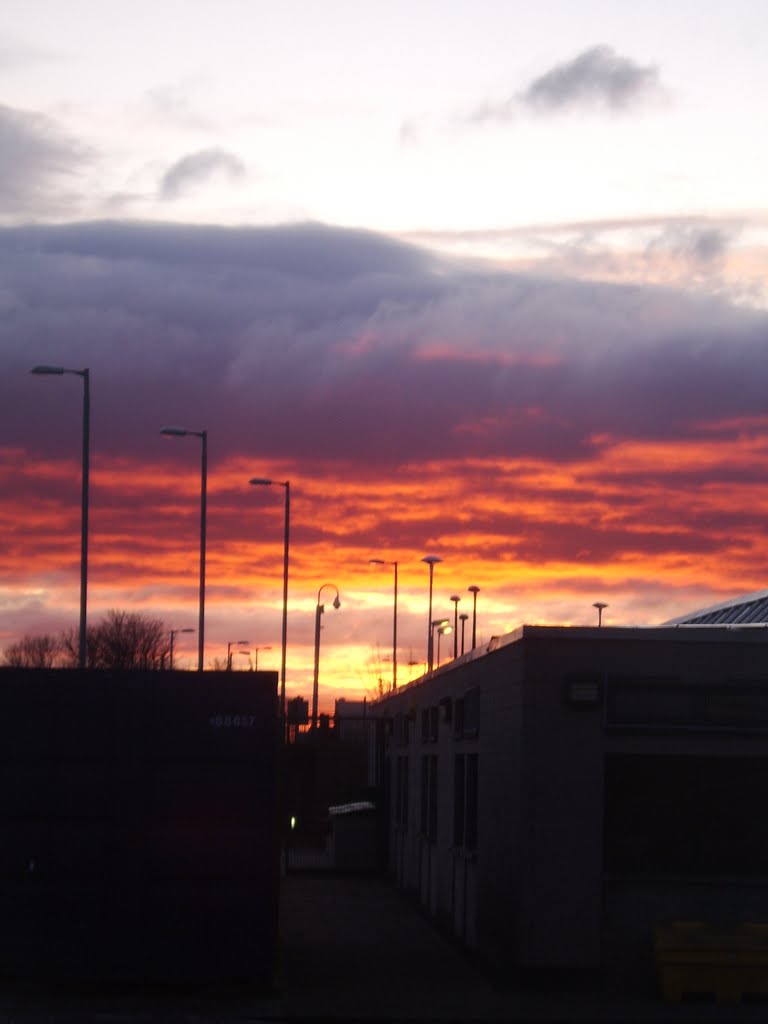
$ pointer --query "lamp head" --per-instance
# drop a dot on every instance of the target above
(336, 602)
(260, 481)
(446, 628)
(455, 597)
(464, 616)
(44, 369)
(431, 559)
(473, 589)
(376, 561)
(173, 431)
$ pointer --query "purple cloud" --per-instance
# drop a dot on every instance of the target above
(196, 168)
(317, 343)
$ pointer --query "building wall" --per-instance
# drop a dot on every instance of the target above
(139, 820)
(557, 707)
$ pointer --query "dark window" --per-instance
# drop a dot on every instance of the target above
(425, 725)
(458, 800)
(465, 801)
(470, 831)
(432, 832)
(686, 815)
(401, 793)
(458, 718)
(472, 711)
(429, 796)
(401, 730)
(434, 717)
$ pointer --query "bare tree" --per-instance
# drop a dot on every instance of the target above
(44, 651)
(123, 640)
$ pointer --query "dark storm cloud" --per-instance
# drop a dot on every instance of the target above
(197, 168)
(36, 158)
(316, 343)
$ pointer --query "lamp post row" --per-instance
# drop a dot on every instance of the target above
(431, 560)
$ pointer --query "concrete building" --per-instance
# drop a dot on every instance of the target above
(555, 794)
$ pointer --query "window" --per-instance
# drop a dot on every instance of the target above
(429, 724)
(401, 793)
(685, 815)
(459, 795)
(465, 769)
(472, 711)
(429, 796)
(466, 715)
(458, 719)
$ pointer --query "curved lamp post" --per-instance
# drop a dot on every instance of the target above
(203, 435)
(474, 592)
(437, 624)
(259, 481)
(318, 614)
(381, 561)
(230, 645)
(432, 561)
(58, 371)
(463, 618)
(442, 630)
(455, 598)
(173, 633)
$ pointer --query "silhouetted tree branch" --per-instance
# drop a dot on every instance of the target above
(122, 640)
(45, 651)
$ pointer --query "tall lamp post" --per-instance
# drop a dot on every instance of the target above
(463, 618)
(381, 561)
(203, 435)
(256, 655)
(432, 561)
(318, 614)
(259, 481)
(58, 371)
(455, 598)
(230, 645)
(599, 605)
(173, 634)
(474, 591)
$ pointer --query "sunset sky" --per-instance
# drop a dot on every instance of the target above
(484, 280)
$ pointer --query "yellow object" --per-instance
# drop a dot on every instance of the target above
(727, 962)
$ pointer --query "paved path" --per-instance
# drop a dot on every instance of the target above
(356, 949)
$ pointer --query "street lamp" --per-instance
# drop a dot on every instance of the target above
(599, 605)
(230, 645)
(455, 598)
(463, 618)
(381, 561)
(318, 613)
(259, 481)
(431, 561)
(203, 435)
(473, 591)
(256, 655)
(58, 371)
(442, 630)
(173, 634)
